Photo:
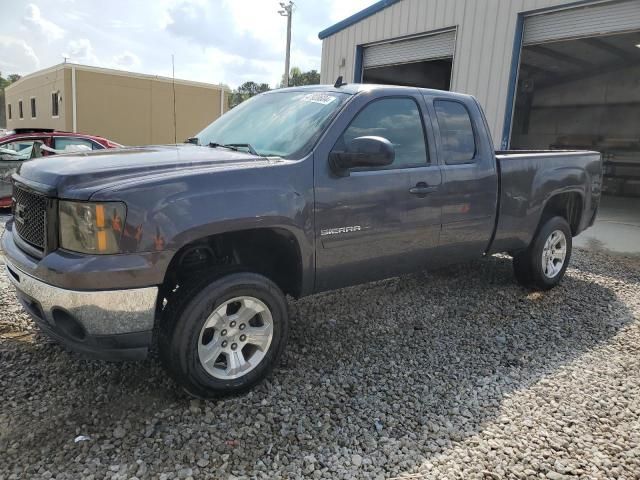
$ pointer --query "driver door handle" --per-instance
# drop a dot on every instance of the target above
(421, 189)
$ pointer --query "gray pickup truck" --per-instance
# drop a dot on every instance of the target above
(293, 192)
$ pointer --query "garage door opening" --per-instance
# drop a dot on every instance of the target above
(432, 74)
(584, 94)
(423, 61)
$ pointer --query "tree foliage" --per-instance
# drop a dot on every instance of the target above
(298, 78)
(5, 82)
(246, 91)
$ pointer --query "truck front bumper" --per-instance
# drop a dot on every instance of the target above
(109, 324)
(99, 306)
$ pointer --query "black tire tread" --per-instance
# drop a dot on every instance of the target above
(178, 302)
(526, 264)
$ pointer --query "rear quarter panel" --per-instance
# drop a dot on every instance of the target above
(529, 180)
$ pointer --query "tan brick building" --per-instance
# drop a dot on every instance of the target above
(129, 108)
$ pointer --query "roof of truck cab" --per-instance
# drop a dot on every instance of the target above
(354, 88)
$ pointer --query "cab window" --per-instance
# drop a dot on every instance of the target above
(17, 150)
(396, 119)
(457, 140)
(74, 144)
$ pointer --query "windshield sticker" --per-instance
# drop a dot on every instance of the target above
(321, 98)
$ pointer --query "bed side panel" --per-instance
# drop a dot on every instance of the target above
(529, 180)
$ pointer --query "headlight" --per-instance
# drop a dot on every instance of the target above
(89, 227)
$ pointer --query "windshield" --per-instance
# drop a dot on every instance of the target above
(280, 124)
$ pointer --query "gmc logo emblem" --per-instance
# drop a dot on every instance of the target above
(18, 214)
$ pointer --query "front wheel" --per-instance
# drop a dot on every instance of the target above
(544, 263)
(224, 335)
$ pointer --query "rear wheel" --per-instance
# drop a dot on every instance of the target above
(545, 262)
(224, 335)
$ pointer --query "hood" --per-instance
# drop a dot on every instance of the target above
(78, 175)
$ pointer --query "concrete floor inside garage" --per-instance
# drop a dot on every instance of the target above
(617, 227)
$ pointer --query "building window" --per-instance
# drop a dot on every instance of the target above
(33, 107)
(9, 111)
(54, 105)
(20, 112)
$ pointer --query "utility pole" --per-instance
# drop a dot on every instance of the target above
(287, 10)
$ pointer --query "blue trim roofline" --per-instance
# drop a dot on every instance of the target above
(513, 83)
(356, 17)
(357, 70)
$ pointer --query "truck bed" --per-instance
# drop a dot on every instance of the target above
(528, 178)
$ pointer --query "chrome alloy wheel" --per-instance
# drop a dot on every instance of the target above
(554, 253)
(235, 338)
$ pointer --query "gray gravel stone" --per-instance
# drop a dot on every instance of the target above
(458, 374)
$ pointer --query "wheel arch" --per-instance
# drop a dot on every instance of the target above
(568, 205)
(274, 251)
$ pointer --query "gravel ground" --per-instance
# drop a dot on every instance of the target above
(461, 374)
(4, 216)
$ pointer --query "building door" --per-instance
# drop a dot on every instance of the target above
(424, 61)
(578, 87)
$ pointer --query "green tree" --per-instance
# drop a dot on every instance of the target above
(298, 78)
(246, 91)
(5, 82)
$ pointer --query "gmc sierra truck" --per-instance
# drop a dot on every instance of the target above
(293, 192)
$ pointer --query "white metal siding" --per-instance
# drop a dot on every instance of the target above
(484, 43)
(429, 47)
(583, 21)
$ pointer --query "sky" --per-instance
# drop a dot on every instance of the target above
(214, 41)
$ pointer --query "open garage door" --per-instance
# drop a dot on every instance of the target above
(424, 61)
(578, 87)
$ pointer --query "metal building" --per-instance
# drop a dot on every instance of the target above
(549, 73)
(129, 108)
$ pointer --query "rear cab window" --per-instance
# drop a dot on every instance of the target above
(457, 138)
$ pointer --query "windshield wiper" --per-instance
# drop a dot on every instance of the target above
(235, 147)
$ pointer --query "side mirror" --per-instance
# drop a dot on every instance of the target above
(192, 140)
(362, 152)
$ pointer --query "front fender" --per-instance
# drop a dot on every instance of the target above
(168, 213)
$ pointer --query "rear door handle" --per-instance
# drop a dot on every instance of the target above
(421, 189)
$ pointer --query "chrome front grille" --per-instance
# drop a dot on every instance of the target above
(30, 216)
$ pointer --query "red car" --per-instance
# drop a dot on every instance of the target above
(17, 147)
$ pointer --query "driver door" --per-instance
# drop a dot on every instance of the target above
(362, 229)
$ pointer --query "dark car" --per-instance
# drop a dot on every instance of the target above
(294, 192)
(17, 147)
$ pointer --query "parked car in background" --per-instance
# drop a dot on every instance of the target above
(18, 146)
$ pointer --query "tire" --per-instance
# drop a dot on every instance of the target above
(213, 316)
(528, 265)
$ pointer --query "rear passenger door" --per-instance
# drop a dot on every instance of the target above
(469, 179)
